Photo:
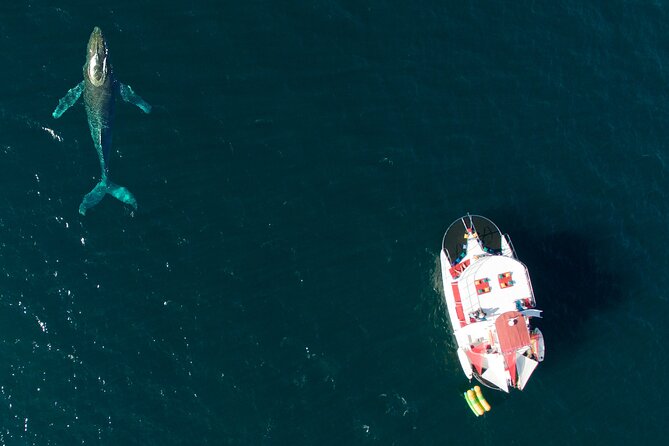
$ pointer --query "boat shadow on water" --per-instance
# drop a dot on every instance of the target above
(569, 284)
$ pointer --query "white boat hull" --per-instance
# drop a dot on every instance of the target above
(490, 304)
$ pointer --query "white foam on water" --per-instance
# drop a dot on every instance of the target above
(53, 134)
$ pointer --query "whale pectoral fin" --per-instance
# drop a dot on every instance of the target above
(130, 96)
(68, 100)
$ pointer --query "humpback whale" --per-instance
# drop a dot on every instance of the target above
(100, 89)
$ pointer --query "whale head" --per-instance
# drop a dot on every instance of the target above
(97, 66)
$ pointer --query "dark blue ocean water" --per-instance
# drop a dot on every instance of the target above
(279, 282)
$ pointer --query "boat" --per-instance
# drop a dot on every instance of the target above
(490, 304)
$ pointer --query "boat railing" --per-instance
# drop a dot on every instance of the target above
(513, 249)
(529, 284)
(448, 256)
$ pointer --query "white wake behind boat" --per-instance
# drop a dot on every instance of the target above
(490, 303)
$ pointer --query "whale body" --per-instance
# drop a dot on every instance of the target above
(100, 89)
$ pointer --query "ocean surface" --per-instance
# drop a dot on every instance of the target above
(279, 283)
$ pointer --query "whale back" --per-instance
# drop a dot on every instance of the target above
(99, 101)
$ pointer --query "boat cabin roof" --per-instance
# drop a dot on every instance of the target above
(496, 284)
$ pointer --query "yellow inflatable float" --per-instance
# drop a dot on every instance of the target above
(476, 402)
(481, 400)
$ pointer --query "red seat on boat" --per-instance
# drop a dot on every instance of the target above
(458, 268)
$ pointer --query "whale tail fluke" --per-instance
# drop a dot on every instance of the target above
(101, 189)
